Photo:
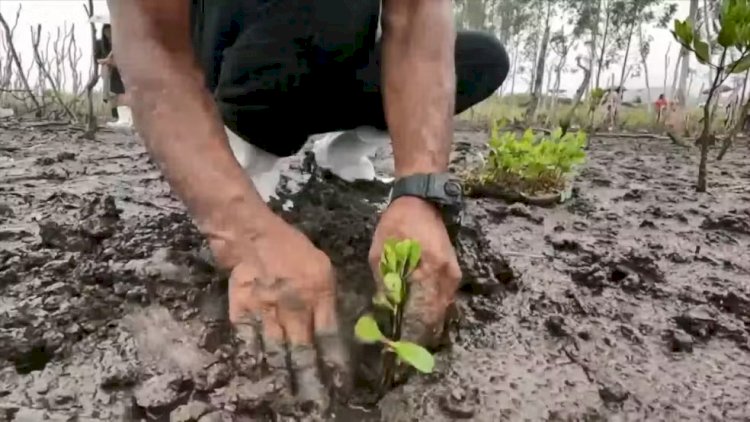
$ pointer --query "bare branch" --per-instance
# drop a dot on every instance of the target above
(16, 60)
(43, 68)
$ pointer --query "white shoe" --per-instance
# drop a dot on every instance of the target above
(124, 119)
(263, 167)
(345, 154)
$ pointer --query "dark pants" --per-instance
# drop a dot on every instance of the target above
(282, 70)
(116, 86)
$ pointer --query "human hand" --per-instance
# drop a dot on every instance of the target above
(434, 282)
(282, 301)
(108, 61)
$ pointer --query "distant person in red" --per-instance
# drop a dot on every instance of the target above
(661, 106)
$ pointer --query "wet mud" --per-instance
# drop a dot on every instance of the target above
(629, 302)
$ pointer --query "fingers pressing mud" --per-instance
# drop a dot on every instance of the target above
(308, 387)
(335, 363)
(250, 348)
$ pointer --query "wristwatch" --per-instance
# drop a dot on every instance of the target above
(442, 189)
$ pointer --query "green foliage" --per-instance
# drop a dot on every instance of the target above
(533, 164)
(734, 34)
(397, 262)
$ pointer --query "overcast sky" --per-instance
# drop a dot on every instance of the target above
(53, 13)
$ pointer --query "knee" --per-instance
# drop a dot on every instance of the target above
(483, 58)
(498, 61)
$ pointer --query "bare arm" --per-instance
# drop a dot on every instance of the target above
(180, 125)
(109, 59)
(419, 82)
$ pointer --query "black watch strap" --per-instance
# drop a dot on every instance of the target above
(442, 189)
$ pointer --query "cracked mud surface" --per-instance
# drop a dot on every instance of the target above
(631, 302)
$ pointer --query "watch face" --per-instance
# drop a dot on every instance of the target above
(452, 188)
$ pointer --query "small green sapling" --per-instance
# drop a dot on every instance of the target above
(397, 263)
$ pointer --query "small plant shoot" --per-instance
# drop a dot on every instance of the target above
(732, 46)
(398, 261)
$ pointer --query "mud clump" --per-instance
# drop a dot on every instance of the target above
(110, 309)
(734, 221)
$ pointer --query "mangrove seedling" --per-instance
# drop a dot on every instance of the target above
(398, 261)
(733, 36)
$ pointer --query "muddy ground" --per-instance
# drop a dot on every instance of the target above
(631, 302)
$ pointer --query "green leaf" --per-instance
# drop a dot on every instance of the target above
(381, 300)
(728, 34)
(740, 65)
(402, 255)
(415, 254)
(394, 286)
(367, 330)
(701, 51)
(687, 31)
(389, 256)
(415, 355)
(683, 32)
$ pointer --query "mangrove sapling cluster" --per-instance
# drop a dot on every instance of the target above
(733, 37)
(398, 261)
(531, 164)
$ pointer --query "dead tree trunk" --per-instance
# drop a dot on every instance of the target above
(565, 122)
(627, 53)
(558, 80)
(603, 50)
(675, 75)
(644, 52)
(17, 61)
(540, 67)
(516, 48)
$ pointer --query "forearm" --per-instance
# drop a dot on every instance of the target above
(419, 82)
(183, 133)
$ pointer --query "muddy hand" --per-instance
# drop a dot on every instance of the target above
(282, 303)
(434, 283)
